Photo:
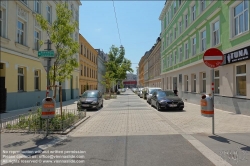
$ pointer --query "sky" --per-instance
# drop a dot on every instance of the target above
(138, 24)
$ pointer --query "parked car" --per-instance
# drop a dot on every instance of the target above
(166, 100)
(90, 99)
(139, 92)
(149, 92)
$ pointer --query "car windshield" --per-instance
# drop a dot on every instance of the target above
(89, 94)
(169, 93)
(152, 90)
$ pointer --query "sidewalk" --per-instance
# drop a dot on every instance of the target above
(70, 104)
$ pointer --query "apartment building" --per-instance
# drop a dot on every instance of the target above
(88, 66)
(130, 81)
(101, 60)
(22, 72)
(154, 65)
(146, 71)
(188, 29)
(141, 71)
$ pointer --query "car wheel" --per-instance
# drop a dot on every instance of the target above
(181, 109)
(102, 104)
(158, 107)
(151, 104)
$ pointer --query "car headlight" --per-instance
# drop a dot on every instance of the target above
(162, 101)
(94, 102)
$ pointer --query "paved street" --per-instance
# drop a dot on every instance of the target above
(127, 132)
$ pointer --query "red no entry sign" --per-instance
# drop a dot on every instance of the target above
(213, 57)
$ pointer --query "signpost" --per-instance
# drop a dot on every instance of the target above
(46, 54)
(213, 58)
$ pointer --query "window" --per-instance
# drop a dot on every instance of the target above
(37, 6)
(186, 20)
(81, 69)
(180, 53)
(167, 41)
(203, 83)
(24, 1)
(241, 80)
(217, 82)
(186, 51)
(77, 82)
(175, 7)
(215, 33)
(84, 71)
(175, 32)
(76, 35)
(36, 40)
(81, 49)
(175, 57)
(194, 46)
(20, 79)
(49, 14)
(171, 59)
(203, 5)
(186, 81)
(1, 23)
(72, 10)
(241, 18)
(194, 83)
(20, 32)
(76, 17)
(180, 27)
(180, 2)
(87, 72)
(170, 38)
(84, 51)
(37, 80)
(203, 40)
(193, 12)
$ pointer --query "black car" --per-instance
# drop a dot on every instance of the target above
(90, 99)
(166, 100)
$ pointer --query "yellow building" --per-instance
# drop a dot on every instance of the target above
(88, 65)
(22, 73)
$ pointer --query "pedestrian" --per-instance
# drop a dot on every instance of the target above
(176, 91)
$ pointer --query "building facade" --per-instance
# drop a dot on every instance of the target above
(189, 28)
(141, 71)
(145, 72)
(101, 60)
(88, 66)
(130, 81)
(22, 73)
(154, 65)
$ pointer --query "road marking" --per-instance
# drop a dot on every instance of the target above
(211, 58)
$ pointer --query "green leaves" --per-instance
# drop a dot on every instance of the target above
(117, 66)
(60, 32)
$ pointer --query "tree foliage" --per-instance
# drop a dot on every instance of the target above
(116, 67)
(118, 64)
(60, 34)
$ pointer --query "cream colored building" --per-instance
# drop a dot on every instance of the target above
(22, 72)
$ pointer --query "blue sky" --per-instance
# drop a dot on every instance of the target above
(138, 23)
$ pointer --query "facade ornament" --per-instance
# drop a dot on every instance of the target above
(22, 13)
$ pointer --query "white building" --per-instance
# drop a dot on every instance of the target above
(102, 58)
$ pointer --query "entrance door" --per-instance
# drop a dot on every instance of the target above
(3, 90)
(175, 83)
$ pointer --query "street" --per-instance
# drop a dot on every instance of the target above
(127, 132)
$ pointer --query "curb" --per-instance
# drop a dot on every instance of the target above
(59, 132)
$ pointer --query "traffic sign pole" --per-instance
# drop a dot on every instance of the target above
(213, 58)
(212, 90)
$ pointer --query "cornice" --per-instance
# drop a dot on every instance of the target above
(164, 9)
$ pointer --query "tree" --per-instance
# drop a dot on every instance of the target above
(118, 65)
(108, 80)
(59, 33)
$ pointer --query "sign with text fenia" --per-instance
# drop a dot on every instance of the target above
(46, 54)
(237, 56)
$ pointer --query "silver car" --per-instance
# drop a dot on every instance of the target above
(149, 93)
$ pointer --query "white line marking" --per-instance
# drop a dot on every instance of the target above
(213, 57)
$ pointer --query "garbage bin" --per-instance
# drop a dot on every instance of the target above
(207, 108)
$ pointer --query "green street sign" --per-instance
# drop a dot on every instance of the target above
(46, 54)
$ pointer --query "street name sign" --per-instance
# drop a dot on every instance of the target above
(46, 54)
(213, 57)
